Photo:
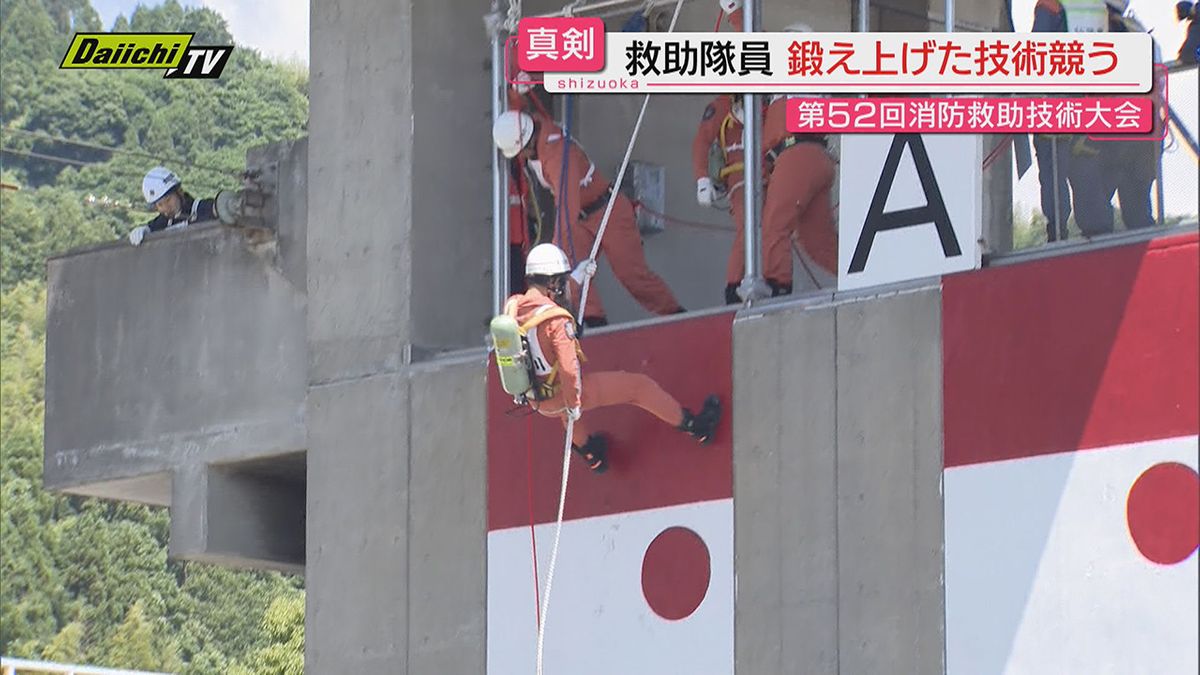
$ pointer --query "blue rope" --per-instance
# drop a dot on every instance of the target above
(635, 23)
(561, 219)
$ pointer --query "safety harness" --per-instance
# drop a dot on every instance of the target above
(726, 148)
(793, 139)
(542, 375)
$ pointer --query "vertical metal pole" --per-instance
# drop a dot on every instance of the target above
(949, 16)
(752, 286)
(499, 182)
(1158, 189)
(1057, 227)
(864, 16)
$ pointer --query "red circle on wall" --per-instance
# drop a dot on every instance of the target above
(1163, 512)
(675, 573)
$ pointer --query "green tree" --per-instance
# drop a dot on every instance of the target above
(67, 646)
(284, 624)
(137, 645)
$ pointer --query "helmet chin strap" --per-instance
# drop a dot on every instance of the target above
(558, 291)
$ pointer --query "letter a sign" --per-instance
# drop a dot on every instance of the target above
(910, 206)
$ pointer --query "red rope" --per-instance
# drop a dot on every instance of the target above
(679, 221)
(537, 591)
(720, 15)
(995, 153)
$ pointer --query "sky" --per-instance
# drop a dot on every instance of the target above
(277, 28)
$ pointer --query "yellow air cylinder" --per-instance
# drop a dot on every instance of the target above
(510, 355)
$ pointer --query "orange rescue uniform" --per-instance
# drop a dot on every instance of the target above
(798, 200)
(581, 200)
(718, 125)
(710, 131)
(555, 339)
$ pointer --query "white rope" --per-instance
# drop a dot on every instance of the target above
(612, 199)
(513, 17)
(562, 499)
(562, 502)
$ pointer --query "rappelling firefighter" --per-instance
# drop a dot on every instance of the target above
(581, 195)
(539, 359)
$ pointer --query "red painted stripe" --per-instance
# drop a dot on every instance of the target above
(652, 464)
(1070, 353)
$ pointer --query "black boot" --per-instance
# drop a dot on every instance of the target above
(778, 289)
(594, 452)
(731, 295)
(703, 425)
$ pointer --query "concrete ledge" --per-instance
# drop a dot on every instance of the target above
(189, 349)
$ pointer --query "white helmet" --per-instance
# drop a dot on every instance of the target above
(546, 260)
(730, 6)
(158, 182)
(798, 27)
(512, 131)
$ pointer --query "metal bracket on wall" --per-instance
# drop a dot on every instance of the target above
(648, 187)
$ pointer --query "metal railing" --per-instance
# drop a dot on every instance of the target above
(11, 666)
(1152, 182)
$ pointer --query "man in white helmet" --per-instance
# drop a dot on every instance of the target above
(560, 389)
(721, 128)
(799, 200)
(522, 201)
(176, 208)
(581, 200)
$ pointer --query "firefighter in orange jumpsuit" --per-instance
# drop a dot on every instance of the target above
(721, 124)
(581, 200)
(520, 197)
(799, 174)
(721, 127)
(555, 351)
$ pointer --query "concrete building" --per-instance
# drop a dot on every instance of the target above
(317, 399)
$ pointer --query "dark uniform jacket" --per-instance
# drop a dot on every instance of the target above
(192, 210)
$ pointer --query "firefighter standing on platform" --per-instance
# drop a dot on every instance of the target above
(717, 152)
(581, 199)
(555, 355)
(799, 174)
(1126, 168)
(521, 231)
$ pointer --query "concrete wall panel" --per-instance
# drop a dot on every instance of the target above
(889, 484)
(360, 199)
(447, 566)
(451, 120)
(785, 492)
(358, 526)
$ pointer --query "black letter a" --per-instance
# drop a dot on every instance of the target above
(934, 210)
